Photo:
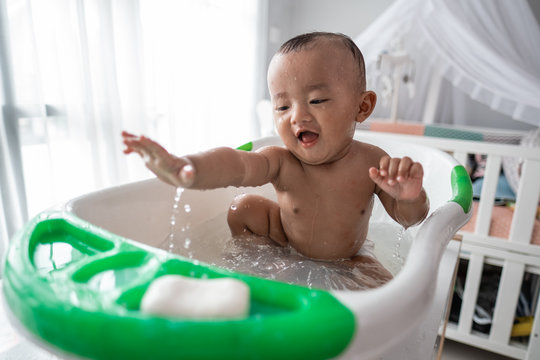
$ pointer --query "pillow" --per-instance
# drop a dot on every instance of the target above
(503, 193)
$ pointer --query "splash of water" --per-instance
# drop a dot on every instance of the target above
(179, 225)
(396, 256)
(216, 247)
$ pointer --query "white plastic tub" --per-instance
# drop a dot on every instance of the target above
(399, 320)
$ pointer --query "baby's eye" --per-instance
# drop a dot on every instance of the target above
(318, 101)
(282, 108)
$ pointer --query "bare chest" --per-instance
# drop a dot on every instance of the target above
(325, 214)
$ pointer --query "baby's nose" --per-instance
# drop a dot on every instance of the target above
(301, 115)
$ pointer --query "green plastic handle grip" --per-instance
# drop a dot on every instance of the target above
(461, 188)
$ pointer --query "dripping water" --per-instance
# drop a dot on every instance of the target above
(179, 234)
(396, 256)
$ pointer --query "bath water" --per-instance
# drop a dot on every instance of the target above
(210, 242)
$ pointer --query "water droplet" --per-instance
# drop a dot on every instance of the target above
(187, 208)
(396, 256)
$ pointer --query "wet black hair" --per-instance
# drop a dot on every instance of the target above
(302, 41)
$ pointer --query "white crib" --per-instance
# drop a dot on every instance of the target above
(515, 256)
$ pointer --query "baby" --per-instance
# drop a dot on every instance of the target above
(324, 179)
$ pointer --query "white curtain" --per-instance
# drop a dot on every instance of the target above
(486, 50)
(181, 71)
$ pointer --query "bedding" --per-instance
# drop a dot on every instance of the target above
(501, 221)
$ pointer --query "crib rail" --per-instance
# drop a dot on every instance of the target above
(515, 256)
(513, 267)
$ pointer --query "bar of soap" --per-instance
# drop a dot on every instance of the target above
(184, 297)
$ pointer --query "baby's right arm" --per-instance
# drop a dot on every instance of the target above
(215, 168)
(167, 167)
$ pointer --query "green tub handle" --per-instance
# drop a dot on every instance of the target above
(461, 188)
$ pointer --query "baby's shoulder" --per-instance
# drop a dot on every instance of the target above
(367, 151)
(274, 152)
(282, 163)
(277, 156)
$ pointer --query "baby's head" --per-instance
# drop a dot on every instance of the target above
(317, 86)
(310, 40)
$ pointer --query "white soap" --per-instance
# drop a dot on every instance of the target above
(180, 296)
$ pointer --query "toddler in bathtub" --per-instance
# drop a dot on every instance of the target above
(324, 179)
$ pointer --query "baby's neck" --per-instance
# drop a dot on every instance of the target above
(342, 156)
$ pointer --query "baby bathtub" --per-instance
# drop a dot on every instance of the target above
(117, 231)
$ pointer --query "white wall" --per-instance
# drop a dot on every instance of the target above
(346, 16)
(287, 18)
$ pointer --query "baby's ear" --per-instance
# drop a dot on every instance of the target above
(368, 99)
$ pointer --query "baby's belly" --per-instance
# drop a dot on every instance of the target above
(331, 239)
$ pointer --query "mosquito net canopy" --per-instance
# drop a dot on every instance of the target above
(485, 51)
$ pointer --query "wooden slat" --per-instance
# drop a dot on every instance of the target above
(501, 253)
(444, 144)
(485, 208)
(507, 299)
(470, 293)
(526, 203)
(481, 341)
(503, 245)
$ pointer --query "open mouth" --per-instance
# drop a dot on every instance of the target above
(307, 137)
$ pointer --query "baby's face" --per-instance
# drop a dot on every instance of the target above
(316, 100)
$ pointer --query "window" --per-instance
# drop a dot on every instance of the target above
(182, 72)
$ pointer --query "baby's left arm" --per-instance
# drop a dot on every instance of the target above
(401, 191)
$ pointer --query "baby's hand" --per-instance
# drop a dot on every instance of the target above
(169, 168)
(401, 178)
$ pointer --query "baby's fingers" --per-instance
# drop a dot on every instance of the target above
(374, 174)
(144, 146)
(416, 171)
(383, 165)
(126, 134)
(393, 170)
(132, 143)
(390, 169)
(404, 167)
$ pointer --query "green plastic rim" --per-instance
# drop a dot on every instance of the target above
(246, 147)
(54, 284)
(461, 188)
